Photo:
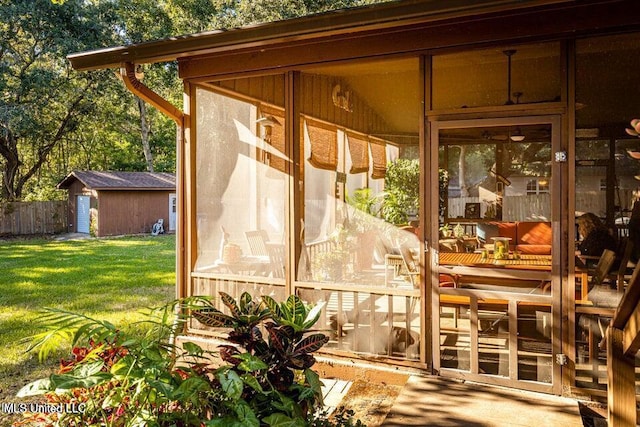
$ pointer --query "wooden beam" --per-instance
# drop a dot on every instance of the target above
(621, 401)
(334, 23)
(518, 26)
(631, 334)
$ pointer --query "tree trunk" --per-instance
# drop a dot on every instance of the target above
(145, 130)
(13, 180)
(464, 189)
(9, 151)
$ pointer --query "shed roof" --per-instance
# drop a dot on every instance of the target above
(102, 180)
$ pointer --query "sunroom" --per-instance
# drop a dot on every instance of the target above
(418, 169)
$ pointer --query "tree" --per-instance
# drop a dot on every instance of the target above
(54, 119)
(41, 99)
(402, 187)
(161, 20)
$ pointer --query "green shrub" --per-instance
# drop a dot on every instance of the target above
(123, 379)
(402, 188)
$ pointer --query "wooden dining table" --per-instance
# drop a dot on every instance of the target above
(526, 267)
(525, 273)
(474, 259)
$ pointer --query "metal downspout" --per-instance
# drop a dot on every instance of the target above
(128, 74)
(135, 86)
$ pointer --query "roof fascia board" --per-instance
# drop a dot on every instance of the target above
(133, 188)
(315, 26)
(514, 27)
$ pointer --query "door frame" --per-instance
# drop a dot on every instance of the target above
(173, 212)
(558, 279)
(86, 214)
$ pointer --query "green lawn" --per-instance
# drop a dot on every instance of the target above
(112, 279)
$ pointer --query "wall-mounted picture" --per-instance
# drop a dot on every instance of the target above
(472, 210)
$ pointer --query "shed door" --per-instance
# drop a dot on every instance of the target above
(83, 214)
(172, 212)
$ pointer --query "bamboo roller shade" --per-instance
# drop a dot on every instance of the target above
(324, 150)
(359, 154)
(324, 146)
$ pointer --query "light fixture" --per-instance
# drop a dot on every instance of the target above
(266, 124)
(543, 182)
(517, 136)
(267, 121)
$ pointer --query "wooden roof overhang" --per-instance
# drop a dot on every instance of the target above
(120, 181)
(388, 28)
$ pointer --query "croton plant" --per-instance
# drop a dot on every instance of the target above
(262, 377)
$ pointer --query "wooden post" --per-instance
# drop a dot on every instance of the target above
(621, 382)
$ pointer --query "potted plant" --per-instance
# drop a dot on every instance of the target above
(445, 231)
(458, 231)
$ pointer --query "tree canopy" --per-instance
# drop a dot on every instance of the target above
(54, 120)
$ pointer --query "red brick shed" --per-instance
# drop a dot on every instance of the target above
(115, 203)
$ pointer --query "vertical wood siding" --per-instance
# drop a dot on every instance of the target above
(131, 212)
(22, 218)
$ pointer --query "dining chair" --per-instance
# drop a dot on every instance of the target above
(623, 273)
(600, 274)
(257, 240)
(276, 253)
(600, 294)
(410, 265)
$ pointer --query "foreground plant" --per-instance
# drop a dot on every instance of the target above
(114, 378)
(267, 378)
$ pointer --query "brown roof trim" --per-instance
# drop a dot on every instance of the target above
(127, 181)
(332, 23)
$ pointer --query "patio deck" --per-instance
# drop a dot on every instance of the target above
(426, 400)
(431, 401)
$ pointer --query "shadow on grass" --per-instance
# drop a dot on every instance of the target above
(113, 279)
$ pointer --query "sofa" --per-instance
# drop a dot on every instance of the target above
(527, 237)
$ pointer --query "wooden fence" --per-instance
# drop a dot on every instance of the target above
(21, 218)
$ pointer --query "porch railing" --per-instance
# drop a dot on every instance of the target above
(623, 343)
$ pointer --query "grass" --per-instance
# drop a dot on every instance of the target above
(113, 279)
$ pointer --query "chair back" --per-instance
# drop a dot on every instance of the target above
(602, 269)
(409, 263)
(276, 259)
(624, 261)
(257, 240)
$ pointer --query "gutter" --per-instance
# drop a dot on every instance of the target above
(135, 86)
